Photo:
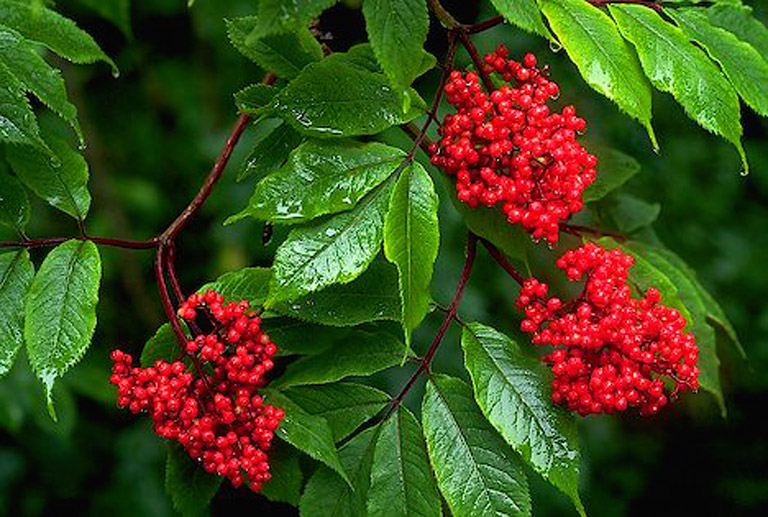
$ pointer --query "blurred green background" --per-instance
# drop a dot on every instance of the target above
(154, 132)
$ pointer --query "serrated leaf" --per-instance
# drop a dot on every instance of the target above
(22, 59)
(676, 66)
(411, 242)
(299, 337)
(326, 494)
(402, 482)
(335, 250)
(270, 152)
(191, 488)
(285, 55)
(16, 273)
(285, 484)
(739, 20)
(513, 391)
(255, 98)
(63, 184)
(709, 363)
(61, 310)
(397, 30)
(310, 434)
(371, 297)
(162, 346)
(344, 405)
(604, 59)
(56, 32)
(631, 213)
(477, 472)
(524, 14)
(17, 121)
(743, 65)
(334, 98)
(360, 353)
(614, 168)
(321, 177)
(249, 283)
(276, 16)
(14, 203)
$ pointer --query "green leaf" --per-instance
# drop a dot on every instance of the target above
(411, 242)
(739, 20)
(163, 346)
(524, 14)
(285, 55)
(371, 297)
(604, 59)
(361, 353)
(676, 66)
(335, 98)
(631, 213)
(299, 337)
(16, 273)
(743, 65)
(308, 433)
(285, 484)
(513, 391)
(326, 494)
(22, 59)
(344, 405)
(63, 184)
(250, 283)
(397, 30)
(614, 168)
(477, 473)
(59, 34)
(61, 310)
(275, 16)
(335, 250)
(255, 98)
(116, 11)
(270, 152)
(690, 296)
(14, 203)
(191, 488)
(17, 121)
(321, 177)
(402, 482)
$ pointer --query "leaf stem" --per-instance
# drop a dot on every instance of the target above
(445, 18)
(579, 230)
(450, 315)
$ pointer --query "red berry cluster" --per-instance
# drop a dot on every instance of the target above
(218, 416)
(506, 148)
(611, 352)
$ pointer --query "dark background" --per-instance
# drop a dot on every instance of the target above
(154, 132)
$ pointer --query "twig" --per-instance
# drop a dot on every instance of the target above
(484, 25)
(503, 262)
(450, 316)
(473, 53)
(576, 229)
(105, 241)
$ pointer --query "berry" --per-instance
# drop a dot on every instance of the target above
(611, 352)
(508, 149)
(217, 414)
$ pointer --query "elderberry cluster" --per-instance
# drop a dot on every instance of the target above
(216, 414)
(507, 149)
(611, 351)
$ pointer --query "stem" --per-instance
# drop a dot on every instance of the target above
(449, 316)
(170, 264)
(579, 230)
(105, 241)
(482, 26)
(446, 19)
(647, 3)
(170, 313)
(472, 50)
(503, 262)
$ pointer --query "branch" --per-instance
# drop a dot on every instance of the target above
(503, 262)
(579, 230)
(484, 25)
(647, 3)
(473, 53)
(449, 316)
(105, 241)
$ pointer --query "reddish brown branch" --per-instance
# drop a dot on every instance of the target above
(476, 59)
(484, 25)
(450, 315)
(500, 259)
(105, 241)
(579, 230)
